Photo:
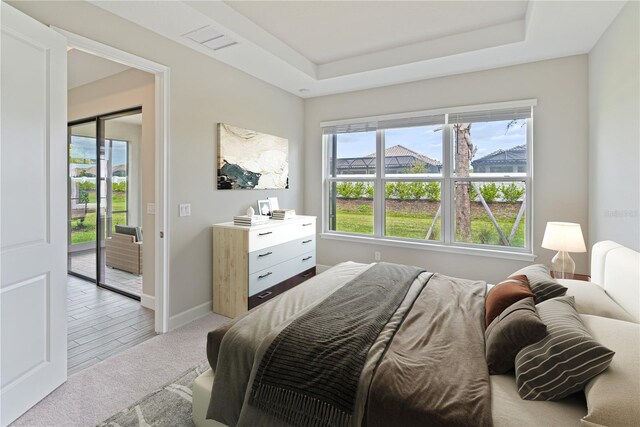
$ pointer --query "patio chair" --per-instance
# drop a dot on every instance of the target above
(124, 249)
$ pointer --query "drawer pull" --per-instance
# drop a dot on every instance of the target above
(261, 255)
(304, 276)
(266, 294)
(307, 241)
(265, 233)
(307, 224)
(265, 275)
(307, 258)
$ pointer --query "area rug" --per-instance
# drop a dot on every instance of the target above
(167, 406)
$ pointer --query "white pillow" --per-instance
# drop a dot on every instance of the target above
(613, 396)
(592, 299)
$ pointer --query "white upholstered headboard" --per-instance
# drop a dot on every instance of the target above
(617, 269)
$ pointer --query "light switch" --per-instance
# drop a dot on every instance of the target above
(185, 209)
(151, 208)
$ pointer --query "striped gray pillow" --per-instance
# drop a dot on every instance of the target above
(565, 360)
(541, 283)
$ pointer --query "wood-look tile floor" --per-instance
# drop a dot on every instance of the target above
(84, 263)
(102, 323)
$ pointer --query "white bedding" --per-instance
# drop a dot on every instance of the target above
(509, 409)
(593, 299)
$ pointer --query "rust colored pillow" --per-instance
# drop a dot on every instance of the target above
(506, 293)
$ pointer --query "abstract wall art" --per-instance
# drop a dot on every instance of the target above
(250, 160)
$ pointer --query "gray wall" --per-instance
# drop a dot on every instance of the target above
(560, 152)
(614, 132)
(204, 92)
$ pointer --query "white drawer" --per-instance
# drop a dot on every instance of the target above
(267, 257)
(268, 277)
(271, 236)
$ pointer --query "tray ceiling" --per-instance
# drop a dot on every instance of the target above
(314, 48)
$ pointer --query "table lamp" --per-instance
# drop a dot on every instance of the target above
(563, 237)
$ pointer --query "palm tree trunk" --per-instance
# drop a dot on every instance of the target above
(464, 154)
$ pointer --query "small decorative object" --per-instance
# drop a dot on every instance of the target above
(250, 211)
(264, 207)
(251, 160)
(563, 237)
(274, 203)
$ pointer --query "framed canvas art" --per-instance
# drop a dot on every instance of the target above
(250, 160)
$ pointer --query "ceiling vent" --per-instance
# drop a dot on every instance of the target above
(211, 38)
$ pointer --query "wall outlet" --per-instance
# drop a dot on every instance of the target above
(151, 208)
(376, 256)
(185, 209)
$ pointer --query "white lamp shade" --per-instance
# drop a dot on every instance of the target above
(563, 236)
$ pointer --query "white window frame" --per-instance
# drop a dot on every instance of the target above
(447, 180)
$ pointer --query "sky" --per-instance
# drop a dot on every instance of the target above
(83, 147)
(427, 140)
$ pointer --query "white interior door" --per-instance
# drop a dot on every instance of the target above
(33, 232)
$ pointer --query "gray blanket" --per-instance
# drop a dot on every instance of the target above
(434, 371)
(241, 347)
(309, 374)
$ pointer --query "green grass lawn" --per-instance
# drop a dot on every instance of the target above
(86, 232)
(119, 200)
(414, 225)
(399, 224)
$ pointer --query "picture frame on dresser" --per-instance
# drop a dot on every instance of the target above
(264, 207)
(275, 205)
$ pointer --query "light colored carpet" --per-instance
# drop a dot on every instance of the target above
(96, 393)
(169, 406)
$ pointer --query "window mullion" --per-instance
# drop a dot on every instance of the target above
(529, 188)
(378, 195)
(325, 183)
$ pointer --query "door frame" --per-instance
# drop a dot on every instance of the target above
(162, 97)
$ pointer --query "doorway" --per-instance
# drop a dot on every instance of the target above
(110, 177)
(104, 201)
(159, 110)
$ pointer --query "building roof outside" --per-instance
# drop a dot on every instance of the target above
(517, 154)
(395, 157)
(92, 170)
(402, 151)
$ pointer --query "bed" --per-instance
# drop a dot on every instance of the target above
(609, 308)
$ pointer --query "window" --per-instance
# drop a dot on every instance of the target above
(82, 183)
(118, 162)
(458, 177)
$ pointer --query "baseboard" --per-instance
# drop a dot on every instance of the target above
(148, 301)
(190, 315)
(322, 268)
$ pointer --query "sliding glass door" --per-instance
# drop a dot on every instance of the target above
(83, 196)
(105, 235)
(121, 221)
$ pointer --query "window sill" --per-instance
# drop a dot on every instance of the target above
(464, 250)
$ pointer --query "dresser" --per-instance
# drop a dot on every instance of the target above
(251, 265)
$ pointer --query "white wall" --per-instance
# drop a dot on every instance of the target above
(131, 88)
(560, 152)
(204, 92)
(614, 132)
